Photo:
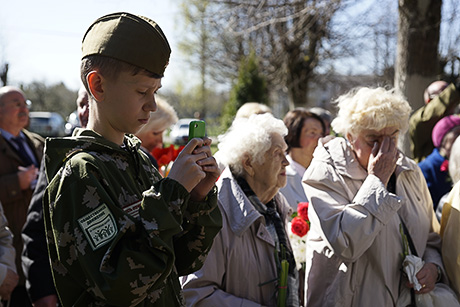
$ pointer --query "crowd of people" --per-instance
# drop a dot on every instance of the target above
(88, 220)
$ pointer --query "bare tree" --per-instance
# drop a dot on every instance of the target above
(287, 36)
(417, 61)
(450, 40)
(196, 46)
(4, 74)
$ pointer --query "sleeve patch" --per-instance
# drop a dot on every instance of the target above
(99, 226)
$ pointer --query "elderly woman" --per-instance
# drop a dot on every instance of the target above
(242, 267)
(304, 130)
(363, 194)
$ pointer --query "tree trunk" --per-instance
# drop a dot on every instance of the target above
(4, 74)
(417, 61)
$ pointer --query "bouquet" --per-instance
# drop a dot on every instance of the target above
(165, 157)
(298, 229)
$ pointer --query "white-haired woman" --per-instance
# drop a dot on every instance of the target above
(242, 267)
(363, 193)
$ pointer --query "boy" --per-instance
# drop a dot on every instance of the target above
(118, 233)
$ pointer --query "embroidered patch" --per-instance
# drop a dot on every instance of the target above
(133, 209)
(98, 226)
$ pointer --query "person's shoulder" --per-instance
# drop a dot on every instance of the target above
(34, 136)
(334, 150)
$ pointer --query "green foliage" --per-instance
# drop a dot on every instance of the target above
(52, 98)
(188, 102)
(250, 86)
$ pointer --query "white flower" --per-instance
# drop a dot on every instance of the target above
(298, 245)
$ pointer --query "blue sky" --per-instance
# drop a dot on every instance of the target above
(41, 40)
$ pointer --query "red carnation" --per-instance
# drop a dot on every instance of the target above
(299, 226)
(444, 166)
(166, 155)
(302, 210)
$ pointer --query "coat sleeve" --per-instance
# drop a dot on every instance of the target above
(201, 223)
(138, 257)
(206, 286)
(7, 251)
(344, 217)
(432, 248)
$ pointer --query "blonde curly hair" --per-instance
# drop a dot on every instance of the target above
(371, 108)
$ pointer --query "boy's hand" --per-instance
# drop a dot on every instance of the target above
(210, 167)
(195, 168)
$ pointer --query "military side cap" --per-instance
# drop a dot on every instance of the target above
(136, 40)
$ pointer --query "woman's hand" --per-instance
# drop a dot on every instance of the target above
(382, 161)
(427, 277)
(195, 168)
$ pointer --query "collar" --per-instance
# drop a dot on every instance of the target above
(240, 212)
(8, 136)
(297, 167)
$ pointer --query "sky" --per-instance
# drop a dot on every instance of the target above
(41, 40)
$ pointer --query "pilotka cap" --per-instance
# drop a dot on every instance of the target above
(136, 40)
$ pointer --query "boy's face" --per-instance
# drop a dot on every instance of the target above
(128, 101)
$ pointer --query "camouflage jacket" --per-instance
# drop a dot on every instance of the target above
(118, 233)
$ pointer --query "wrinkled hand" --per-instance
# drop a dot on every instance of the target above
(26, 176)
(8, 285)
(47, 301)
(382, 161)
(427, 277)
(195, 168)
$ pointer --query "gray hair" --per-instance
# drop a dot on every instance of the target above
(249, 136)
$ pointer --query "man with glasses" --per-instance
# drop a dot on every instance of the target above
(20, 155)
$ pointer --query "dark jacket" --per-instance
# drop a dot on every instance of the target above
(14, 200)
(35, 259)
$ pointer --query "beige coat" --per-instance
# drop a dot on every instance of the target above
(354, 247)
(241, 262)
(450, 230)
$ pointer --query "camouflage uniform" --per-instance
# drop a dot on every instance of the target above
(118, 233)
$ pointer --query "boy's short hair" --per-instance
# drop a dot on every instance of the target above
(123, 41)
(109, 68)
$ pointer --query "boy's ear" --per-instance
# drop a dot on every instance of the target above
(95, 80)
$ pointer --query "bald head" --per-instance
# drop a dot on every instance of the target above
(433, 90)
(14, 111)
(10, 89)
(83, 106)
